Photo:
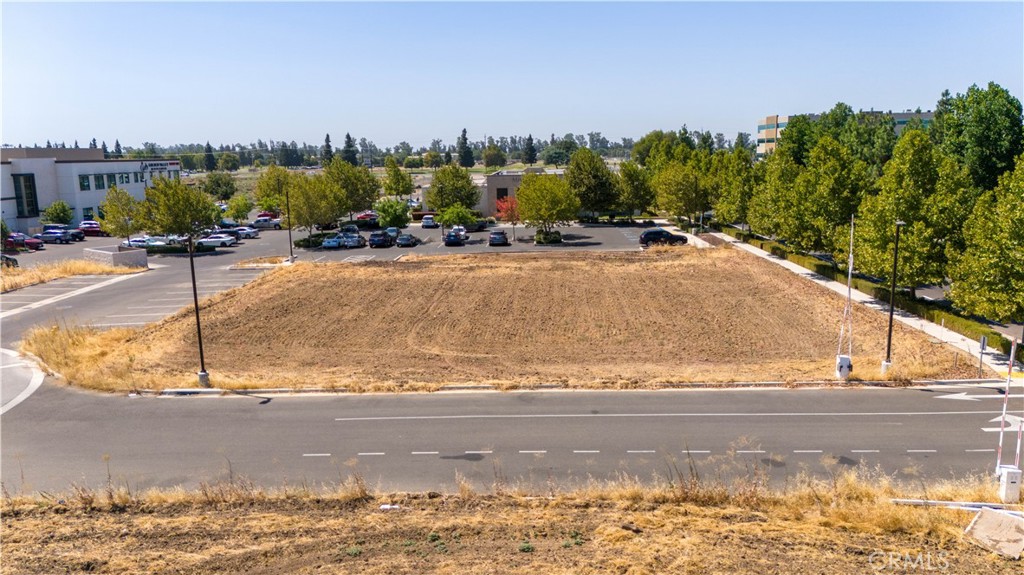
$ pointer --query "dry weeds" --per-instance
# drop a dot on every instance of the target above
(840, 525)
(17, 278)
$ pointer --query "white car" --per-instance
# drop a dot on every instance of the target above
(217, 240)
(142, 243)
(266, 223)
(170, 240)
(246, 232)
(461, 230)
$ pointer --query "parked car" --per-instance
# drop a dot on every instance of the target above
(461, 230)
(498, 238)
(266, 223)
(142, 243)
(661, 236)
(76, 234)
(217, 240)
(245, 232)
(332, 242)
(8, 261)
(478, 226)
(367, 215)
(264, 214)
(54, 237)
(428, 222)
(20, 240)
(393, 232)
(454, 238)
(171, 240)
(407, 241)
(92, 228)
(349, 229)
(381, 239)
(353, 241)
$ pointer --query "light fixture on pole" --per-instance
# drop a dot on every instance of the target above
(892, 298)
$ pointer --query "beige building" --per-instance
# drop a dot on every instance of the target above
(504, 183)
(771, 127)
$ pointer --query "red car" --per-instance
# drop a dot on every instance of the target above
(92, 228)
(367, 215)
(270, 215)
(17, 240)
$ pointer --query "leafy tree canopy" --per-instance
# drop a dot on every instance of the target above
(452, 185)
(591, 180)
(220, 185)
(58, 212)
(392, 212)
(171, 207)
(122, 214)
(545, 201)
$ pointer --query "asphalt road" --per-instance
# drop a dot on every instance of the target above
(59, 436)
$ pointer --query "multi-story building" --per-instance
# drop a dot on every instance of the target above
(769, 129)
(33, 178)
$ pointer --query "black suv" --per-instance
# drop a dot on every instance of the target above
(661, 236)
(381, 239)
(498, 238)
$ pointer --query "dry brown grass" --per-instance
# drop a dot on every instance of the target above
(609, 321)
(16, 278)
(263, 261)
(681, 526)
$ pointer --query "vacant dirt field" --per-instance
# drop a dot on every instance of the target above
(593, 320)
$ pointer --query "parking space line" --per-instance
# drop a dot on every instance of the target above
(66, 295)
(750, 451)
(696, 451)
(921, 451)
(586, 451)
(980, 450)
(640, 451)
(531, 452)
(478, 452)
(863, 451)
(316, 454)
(807, 451)
(424, 453)
(370, 453)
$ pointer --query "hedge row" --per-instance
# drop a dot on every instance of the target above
(933, 312)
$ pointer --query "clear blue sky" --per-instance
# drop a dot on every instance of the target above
(234, 72)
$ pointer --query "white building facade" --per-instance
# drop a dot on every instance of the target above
(33, 178)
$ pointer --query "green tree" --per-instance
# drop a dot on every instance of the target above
(983, 129)
(545, 201)
(354, 188)
(171, 207)
(870, 137)
(310, 200)
(58, 212)
(239, 207)
(773, 197)
(349, 153)
(220, 185)
(592, 182)
(736, 185)
(456, 215)
(121, 214)
(636, 195)
(270, 189)
(559, 152)
(229, 162)
(464, 152)
(413, 162)
(432, 159)
(327, 153)
(118, 152)
(392, 212)
(908, 181)
(396, 182)
(829, 192)
(988, 279)
(494, 157)
(209, 162)
(678, 189)
(452, 185)
(529, 151)
(798, 139)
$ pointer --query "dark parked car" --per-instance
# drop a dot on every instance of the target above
(352, 241)
(54, 237)
(661, 236)
(20, 240)
(381, 240)
(407, 241)
(76, 234)
(498, 238)
(349, 229)
(454, 239)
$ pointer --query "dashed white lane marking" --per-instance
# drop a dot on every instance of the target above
(863, 451)
(478, 452)
(67, 295)
(316, 454)
(696, 451)
(424, 453)
(370, 453)
(807, 451)
(532, 451)
(749, 451)
(118, 324)
(586, 451)
(980, 450)
(921, 451)
(13, 365)
(137, 315)
(640, 451)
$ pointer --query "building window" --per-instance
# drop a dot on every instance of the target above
(136, 177)
(83, 183)
(502, 193)
(99, 182)
(123, 178)
(25, 195)
(86, 213)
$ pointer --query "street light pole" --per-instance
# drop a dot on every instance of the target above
(204, 377)
(288, 212)
(892, 298)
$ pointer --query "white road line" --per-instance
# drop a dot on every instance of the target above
(190, 293)
(138, 315)
(316, 454)
(750, 451)
(172, 299)
(531, 452)
(13, 365)
(370, 453)
(640, 451)
(478, 452)
(151, 306)
(696, 451)
(117, 324)
(33, 384)
(980, 450)
(613, 415)
(863, 451)
(424, 453)
(586, 451)
(920, 451)
(807, 451)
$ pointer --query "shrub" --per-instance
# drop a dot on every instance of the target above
(526, 547)
(312, 241)
(544, 238)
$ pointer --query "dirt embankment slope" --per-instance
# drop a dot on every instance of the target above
(588, 319)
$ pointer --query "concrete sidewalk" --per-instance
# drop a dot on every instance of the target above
(993, 358)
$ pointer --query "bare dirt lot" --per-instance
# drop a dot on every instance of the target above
(579, 319)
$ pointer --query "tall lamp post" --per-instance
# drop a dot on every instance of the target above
(288, 212)
(204, 377)
(892, 298)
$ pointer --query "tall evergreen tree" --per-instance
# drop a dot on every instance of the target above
(348, 152)
(592, 182)
(328, 153)
(118, 153)
(209, 162)
(464, 152)
(92, 144)
(447, 157)
(106, 153)
(76, 144)
(529, 151)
